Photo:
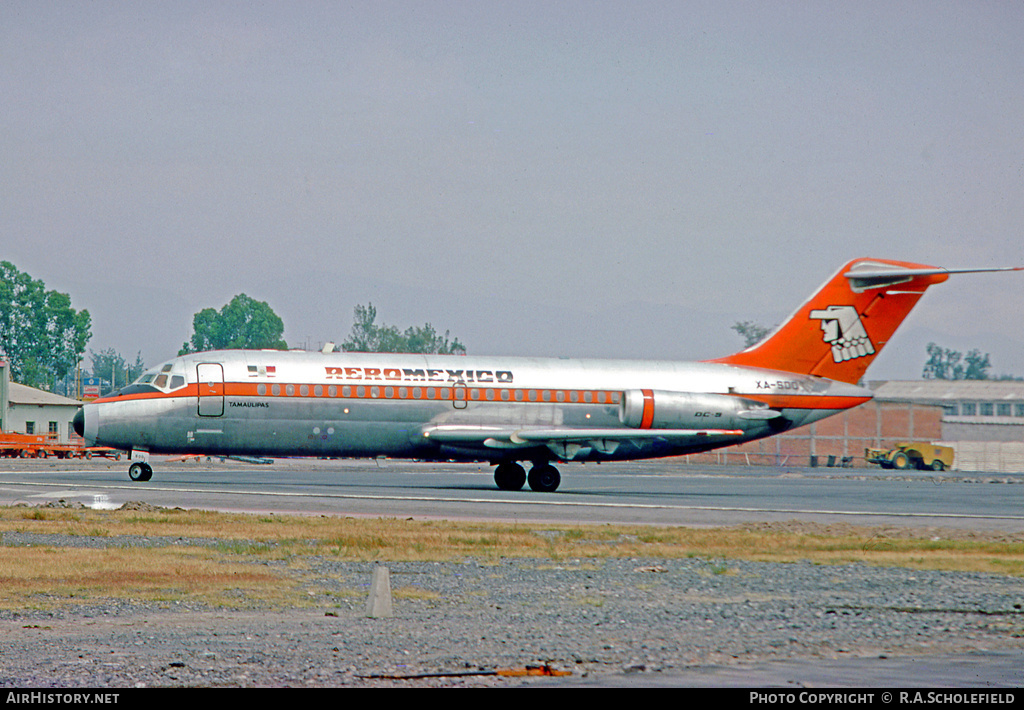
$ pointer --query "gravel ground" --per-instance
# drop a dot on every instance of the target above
(651, 619)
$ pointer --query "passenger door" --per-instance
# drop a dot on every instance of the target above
(210, 376)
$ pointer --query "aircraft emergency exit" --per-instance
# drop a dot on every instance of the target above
(508, 410)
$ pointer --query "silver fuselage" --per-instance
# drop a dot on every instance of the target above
(295, 403)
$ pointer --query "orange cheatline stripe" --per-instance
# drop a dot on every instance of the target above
(524, 395)
(439, 392)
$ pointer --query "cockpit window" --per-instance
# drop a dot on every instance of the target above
(165, 378)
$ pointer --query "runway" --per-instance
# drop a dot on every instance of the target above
(663, 492)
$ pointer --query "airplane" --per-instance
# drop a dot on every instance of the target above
(505, 410)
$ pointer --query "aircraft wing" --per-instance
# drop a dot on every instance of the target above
(563, 441)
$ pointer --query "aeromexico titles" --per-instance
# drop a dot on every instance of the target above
(511, 410)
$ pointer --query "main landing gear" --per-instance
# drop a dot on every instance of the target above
(140, 471)
(543, 478)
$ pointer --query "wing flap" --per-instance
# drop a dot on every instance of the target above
(564, 441)
(567, 434)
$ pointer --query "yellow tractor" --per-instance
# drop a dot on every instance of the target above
(922, 455)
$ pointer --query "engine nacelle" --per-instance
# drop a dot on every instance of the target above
(659, 409)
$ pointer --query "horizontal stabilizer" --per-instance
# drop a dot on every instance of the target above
(865, 275)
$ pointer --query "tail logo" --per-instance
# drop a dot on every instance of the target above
(842, 329)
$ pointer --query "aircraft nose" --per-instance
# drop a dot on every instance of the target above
(78, 422)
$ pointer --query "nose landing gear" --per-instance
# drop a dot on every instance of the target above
(140, 471)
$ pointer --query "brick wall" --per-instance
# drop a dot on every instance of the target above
(875, 424)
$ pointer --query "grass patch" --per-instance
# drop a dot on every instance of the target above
(415, 593)
(262, 560)
(44, 576)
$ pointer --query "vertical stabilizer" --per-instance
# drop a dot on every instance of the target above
(840, 330)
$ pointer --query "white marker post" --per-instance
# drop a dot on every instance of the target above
(379, 605)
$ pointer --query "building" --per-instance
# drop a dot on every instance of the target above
(983, 420)
(26, 410)
(973, 410)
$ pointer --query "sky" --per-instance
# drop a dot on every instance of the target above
(575, 179)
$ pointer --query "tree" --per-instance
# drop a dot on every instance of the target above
(942, 364)
(945, 364)
(245, 323)
(751, 332)
(977, 365)
(111, 365)
(41, 335)
(368, 337)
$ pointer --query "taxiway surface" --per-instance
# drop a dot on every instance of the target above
(664, 492)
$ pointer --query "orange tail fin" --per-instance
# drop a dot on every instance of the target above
(840, 330)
